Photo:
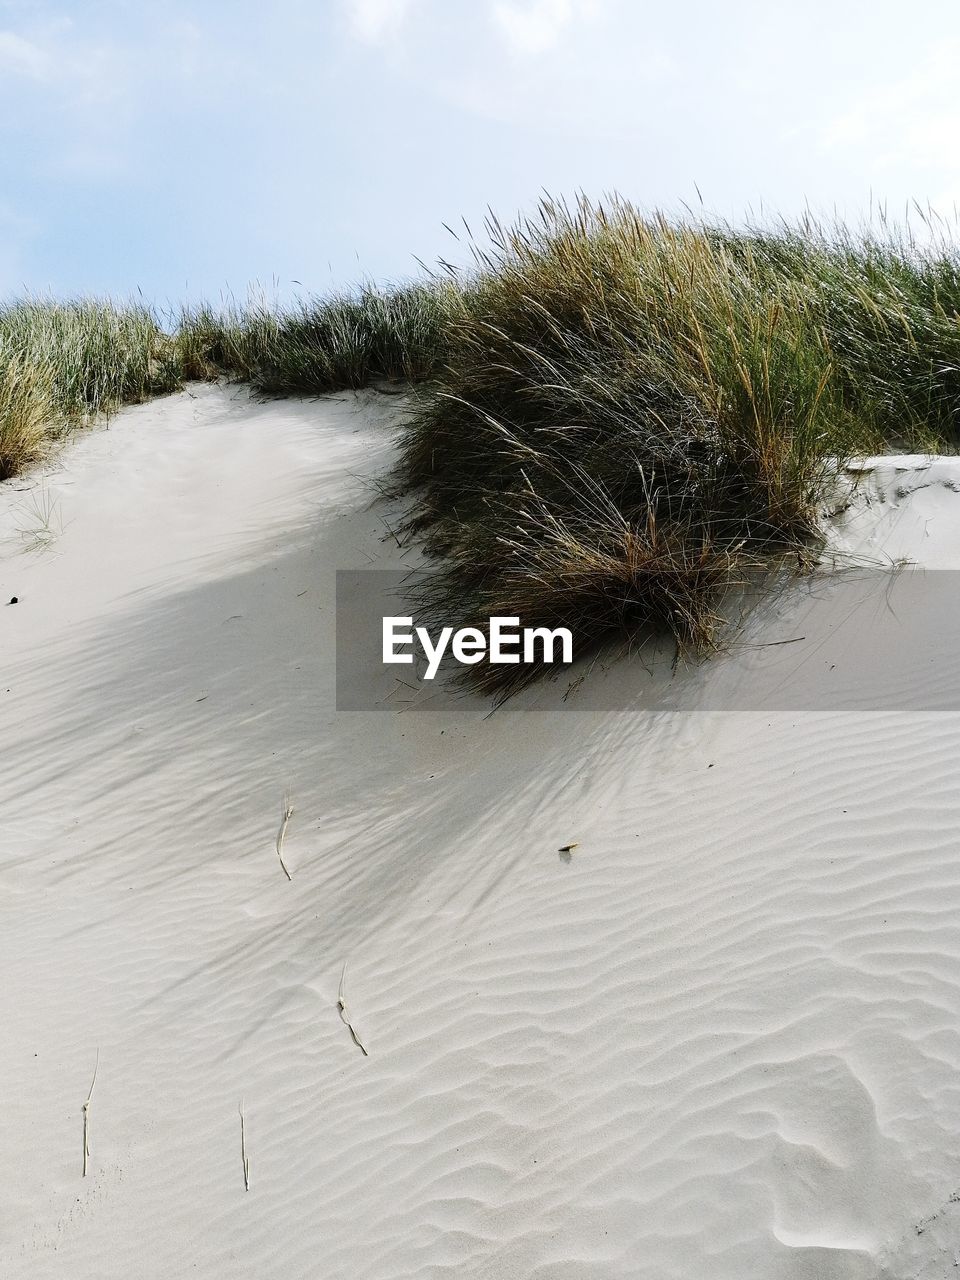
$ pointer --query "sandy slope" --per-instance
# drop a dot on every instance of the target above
(721, 1040)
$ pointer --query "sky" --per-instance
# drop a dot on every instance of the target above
(192, 151)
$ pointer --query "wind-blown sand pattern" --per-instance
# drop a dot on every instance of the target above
(722, 1040)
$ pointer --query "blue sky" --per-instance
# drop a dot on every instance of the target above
(191, 149)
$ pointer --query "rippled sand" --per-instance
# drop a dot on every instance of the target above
(721, 1038)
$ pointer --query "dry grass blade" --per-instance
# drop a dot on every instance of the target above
(243, 1149)
(86, 1117)
(344, 1015)
(286, 815)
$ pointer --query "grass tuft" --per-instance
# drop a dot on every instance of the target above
(350, 341)
(27, 411)
(634, 415)
(622, 416)
(64, 363)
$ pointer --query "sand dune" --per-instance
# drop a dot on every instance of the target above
(721, 1038)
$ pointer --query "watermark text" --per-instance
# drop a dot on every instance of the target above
(507, 644)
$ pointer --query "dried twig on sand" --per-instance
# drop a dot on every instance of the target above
(345, 1017)
(86, 1116)
(243, 1150)
(287, 815)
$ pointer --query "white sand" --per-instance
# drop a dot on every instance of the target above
(721, 1041)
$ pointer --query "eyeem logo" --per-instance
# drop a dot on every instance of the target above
(508, 644)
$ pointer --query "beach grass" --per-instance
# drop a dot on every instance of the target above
(351, 340)
(635, 415)
(621, 415)
(99, 354)
(62, 364)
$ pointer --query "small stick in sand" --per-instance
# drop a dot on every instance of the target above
(243, 1151)
(344, 1016)
(287, 815)
(772, 644)
(566, 851)
(86, 1116)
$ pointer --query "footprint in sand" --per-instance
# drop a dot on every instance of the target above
(831, 1177)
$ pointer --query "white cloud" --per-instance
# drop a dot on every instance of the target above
(72, 70)
(533, 26)
(22, 57)
(913, 122)
(378, 20)
(583, 73)
(89, 92)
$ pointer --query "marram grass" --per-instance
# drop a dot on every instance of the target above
(633, 415)
(64, 363)
(620, 415)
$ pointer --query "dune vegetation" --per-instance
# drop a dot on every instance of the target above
(634, 415)
(618, 416)
(63, 363)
